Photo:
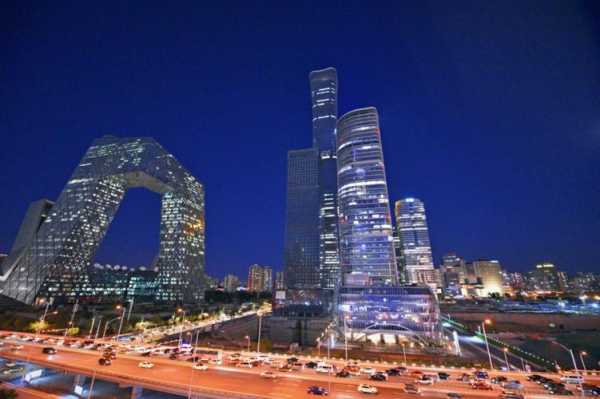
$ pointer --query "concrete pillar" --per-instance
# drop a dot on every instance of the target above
(136, 392)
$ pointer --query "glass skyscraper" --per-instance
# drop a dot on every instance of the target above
(55, 259)
(323, 90)
(365, 224)
(311, 238)
(411, 223)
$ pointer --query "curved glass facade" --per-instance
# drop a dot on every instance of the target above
(365, 224)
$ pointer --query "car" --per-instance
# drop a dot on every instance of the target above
(392, 372)
(378, 376)
(324, 368)
(412, 388)
(572, 379)
(13, 370)
(268, 374)
(146, 354)
(464, 377)
(443, 376)
(366, 388)
(367, 370)
(499, 379)
(481, 385)
(146, 365)
(173, 356)
(512, 385)
(315, 390)
(292, 359)
(311, 365)
(103, 361)
(200, 366)
(216, 362)
(353, 370)
(416, 373)
(481, 375)
(425, 380)
(49, 350)
(534, 377)
(234, 356)
(285, 368)
(245, 364)
(343, 374)
(297, 366)
(453, 395)
(401, 369)
(511, 395)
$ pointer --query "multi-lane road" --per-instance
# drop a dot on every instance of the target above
(180, 378)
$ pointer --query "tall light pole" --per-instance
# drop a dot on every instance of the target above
(487, 345)
(98, 329)
(574, 363)
(404, 352)
(581, 355)
(505, 350)
(92, 327)
(107, 324)
(75, 307)
(248, 340)
(182, 311)
(259, 331)
(345, 338)
(122, 309)
(130, 308)
(319, 346)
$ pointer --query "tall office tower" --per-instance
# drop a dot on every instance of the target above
(301, 245)
(414, 239)
(279, 281)
(399, 259)
(54, 263)
(546, 278)
(365, 224)
(323, 91)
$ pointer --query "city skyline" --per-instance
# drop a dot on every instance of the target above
(509, 168)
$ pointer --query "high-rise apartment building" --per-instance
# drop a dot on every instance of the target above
(365, 224)
(280, 281)
(260, 278)
(311, 242)
(546, 278)
(411, 223)
(231, 283)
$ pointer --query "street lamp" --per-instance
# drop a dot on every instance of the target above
(107, 324)
(346, 337)
(248, 340)
(487, 345)
(581, 355)
(259, 313)
(505, 350)
(404, 351)
(182, 311)
(122, 309)
(319, 346)
(574, 363)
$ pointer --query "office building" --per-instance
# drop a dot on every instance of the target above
(411, 223)
(323, 90)
(583, 282)
(301, 246)
(311, 255)
(486, 275)
(365, 225)
(546, 278)
(55, 260)
(279, 281)
(260, 278)
(231, 283)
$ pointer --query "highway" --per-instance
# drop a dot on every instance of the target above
(178, 377)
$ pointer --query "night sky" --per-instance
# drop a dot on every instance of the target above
(490, 113)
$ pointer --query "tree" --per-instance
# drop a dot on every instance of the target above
(38, 326)
(8, 394)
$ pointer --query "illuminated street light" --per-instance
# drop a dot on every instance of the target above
(581, 355)
(487, 345)
(505, 350)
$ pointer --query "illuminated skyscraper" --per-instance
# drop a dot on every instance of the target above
(54, 259)
(365, 224)
(323, 90)
(411, 223)
(311, 257)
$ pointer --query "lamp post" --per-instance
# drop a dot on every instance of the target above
(75, 307)
(574, 363)
(319, 346)
(404, 352)
(107, 324)
(92, 327)
(505, 350)
(487, 345)
(259, 331)
(122, 309)
(182, 311)
(98, 329)
(346, 338)
(248, 340)
(581, 355)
